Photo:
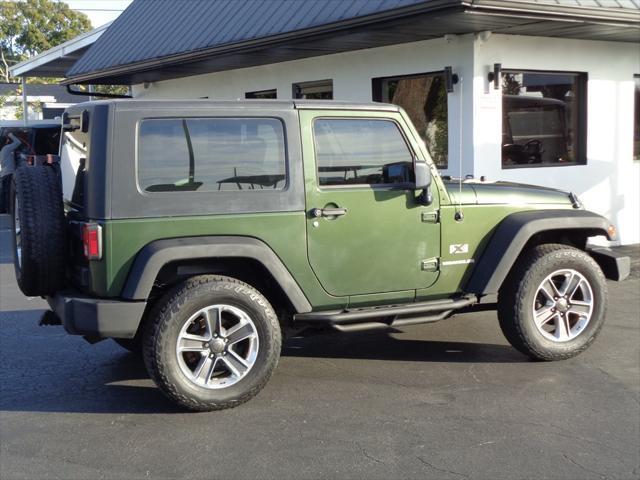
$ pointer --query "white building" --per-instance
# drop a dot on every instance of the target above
(547, 92)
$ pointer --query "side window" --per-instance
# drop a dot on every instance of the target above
(543, 119)
(262, 94)
(211, 154)
(319, 90)
(361, 152)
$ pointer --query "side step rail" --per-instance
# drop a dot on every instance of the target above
(357, 319)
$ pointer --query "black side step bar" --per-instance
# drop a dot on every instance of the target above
(356, 319)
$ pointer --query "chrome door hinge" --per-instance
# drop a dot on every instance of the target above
(430, 265)
(431, 217)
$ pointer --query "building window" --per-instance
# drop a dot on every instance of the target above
(211, 154)
(262, 94)
(320, 90)
(424, 98)
(543, 118)
(636, 120)
(361, 151)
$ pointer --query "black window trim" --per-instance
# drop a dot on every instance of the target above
(256, 92)
(363, 186)
(146, 193)
(377, 82)
(582, 85)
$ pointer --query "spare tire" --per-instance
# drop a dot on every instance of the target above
(38, 225)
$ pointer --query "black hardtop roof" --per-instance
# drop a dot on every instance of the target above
(254, 104)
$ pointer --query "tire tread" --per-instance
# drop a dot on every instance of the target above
(158, 325)
(511, 301)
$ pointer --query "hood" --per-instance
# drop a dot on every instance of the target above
(475, 192)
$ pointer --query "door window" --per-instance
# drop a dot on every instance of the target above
(361, 152)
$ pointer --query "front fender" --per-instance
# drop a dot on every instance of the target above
(513, 233)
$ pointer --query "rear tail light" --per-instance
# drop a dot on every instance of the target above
(92, 241)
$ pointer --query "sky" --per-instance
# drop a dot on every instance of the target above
(99, 11)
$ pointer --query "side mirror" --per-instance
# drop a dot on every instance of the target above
(423, 182)
(423, 175)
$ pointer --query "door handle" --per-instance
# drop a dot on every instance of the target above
(328, 212)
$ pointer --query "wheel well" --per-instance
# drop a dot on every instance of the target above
(246, 270)
(572, 238)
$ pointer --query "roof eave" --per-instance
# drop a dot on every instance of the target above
(81, 41)
(436, 5)
(623, 18)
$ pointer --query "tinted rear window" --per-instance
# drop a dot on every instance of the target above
(211, 154)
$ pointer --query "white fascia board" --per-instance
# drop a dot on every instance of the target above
(59, 51)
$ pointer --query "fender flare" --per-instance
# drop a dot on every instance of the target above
(159, 253)
(513, 233)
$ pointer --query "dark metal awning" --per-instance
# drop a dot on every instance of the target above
(125, 56)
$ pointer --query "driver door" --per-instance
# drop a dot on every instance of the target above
(366, 231)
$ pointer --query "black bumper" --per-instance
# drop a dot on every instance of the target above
(96, 317)
(615, 266)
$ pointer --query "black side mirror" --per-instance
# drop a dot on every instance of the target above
(84, 121)
(423, 182)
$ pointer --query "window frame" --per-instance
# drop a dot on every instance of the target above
(582, 103)
(377, 95)
(363, 186)
(312, 83)
(635, 155)
(274, 91)
(144, 192)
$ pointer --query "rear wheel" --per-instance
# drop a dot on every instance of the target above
(212, 343)
(553, 305)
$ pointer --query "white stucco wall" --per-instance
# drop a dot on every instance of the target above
(610, 182)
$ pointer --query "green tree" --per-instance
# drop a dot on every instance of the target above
(30, 27)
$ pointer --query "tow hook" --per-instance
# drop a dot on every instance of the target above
(49, 318)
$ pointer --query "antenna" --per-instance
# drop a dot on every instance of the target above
(459, 216)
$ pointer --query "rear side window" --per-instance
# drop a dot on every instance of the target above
(211, 154)
(361, 152)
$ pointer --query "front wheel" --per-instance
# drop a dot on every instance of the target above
(553, 304)
(212, 343)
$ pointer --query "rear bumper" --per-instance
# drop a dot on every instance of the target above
(97, 317)
(615, 266)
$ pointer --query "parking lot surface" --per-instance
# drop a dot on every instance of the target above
(450, 400)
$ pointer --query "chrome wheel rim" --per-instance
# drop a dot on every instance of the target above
(563, 305)
(217, 346)
(17, 232)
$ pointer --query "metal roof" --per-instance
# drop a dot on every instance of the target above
(160, 39)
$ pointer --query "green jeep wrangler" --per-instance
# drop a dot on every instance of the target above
(201, 233)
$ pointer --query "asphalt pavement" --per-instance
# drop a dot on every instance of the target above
(450, 400)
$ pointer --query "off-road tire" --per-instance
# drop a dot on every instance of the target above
(170, 314)
(516, 299)
(38, 191)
